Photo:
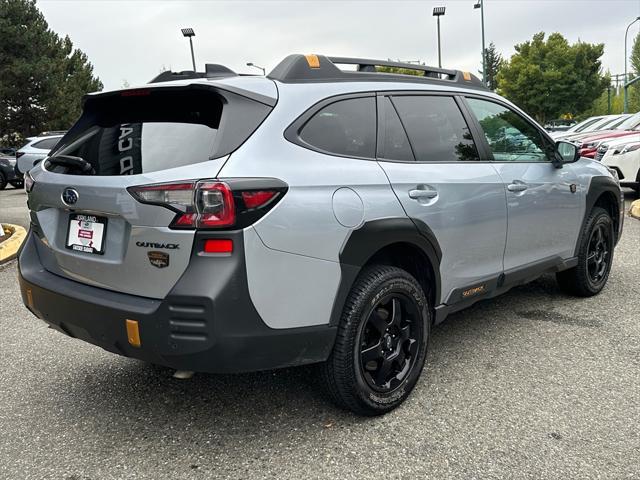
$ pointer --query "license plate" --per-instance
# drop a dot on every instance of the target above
(86, 233)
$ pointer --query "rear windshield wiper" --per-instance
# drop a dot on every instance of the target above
(76, 164)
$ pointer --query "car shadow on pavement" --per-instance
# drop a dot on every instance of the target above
(126, 395)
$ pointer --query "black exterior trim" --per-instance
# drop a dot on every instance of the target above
(363, 243)
(207, 323)
(295, 69)
(597, 187)
(495, 285)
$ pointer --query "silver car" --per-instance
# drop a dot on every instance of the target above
(35, 150)
(220, 223)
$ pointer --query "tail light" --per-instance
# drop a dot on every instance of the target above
(212, 204)
(19, 154)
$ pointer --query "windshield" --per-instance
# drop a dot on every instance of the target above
(630, 123)
(584, 124)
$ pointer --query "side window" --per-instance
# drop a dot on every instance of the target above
(46, 144)
(436, 128)
(395, 144)
(510, 137)
(346, 127)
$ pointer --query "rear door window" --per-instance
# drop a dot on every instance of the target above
(395, 143)
(346, 127)
(436, 128)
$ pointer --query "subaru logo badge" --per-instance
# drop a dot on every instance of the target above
(69, 196)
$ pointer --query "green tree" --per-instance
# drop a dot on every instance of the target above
(493, 62)
(42, 77)
(551, 78)
(634, 90)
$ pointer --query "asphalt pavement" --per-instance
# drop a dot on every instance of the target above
(533, 384)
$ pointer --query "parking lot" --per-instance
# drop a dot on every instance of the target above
(532, 384)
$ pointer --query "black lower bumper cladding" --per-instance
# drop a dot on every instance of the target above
(207, 323)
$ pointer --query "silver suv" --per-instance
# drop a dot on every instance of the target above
(220, 223)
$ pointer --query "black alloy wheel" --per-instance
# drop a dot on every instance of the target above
(389, 342)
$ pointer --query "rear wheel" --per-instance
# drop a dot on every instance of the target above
(381, 343)
(595, 256)
(3, 181)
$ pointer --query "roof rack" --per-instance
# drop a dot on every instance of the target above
(212, 70)
(320, 68)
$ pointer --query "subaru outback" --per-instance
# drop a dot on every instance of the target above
(326, 213)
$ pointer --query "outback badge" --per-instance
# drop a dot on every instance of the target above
(158, 259)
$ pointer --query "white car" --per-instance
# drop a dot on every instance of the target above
(36, 149)
(623, 155)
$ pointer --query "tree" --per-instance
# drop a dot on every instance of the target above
(634, 90)
(42, 77)
(551, 78)
(493, 62)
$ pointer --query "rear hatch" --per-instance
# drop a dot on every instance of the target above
(89, 227)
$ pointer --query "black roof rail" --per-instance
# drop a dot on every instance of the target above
(212, 70)
(320, 68)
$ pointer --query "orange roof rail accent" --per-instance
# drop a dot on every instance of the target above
(313, 61)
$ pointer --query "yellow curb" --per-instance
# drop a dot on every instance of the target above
(9, 247)
(634, 211)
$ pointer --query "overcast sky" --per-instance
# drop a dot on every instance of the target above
(132, 40)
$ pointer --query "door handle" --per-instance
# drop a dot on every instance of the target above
(417, 194)
(517, 186)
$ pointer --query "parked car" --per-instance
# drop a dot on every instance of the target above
(36, 149)
(577, 128)
(589, 144)
(7, 151)
(623, 155)
(221, 223)
(7, 172)
(559, 125)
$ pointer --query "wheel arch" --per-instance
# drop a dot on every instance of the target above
(603, 192)
(402, 242)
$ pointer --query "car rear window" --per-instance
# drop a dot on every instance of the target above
(151, 130)
(46, 144)
(346, 127)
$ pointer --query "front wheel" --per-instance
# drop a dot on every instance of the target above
(381, 343)
(595, 256)
(3, 181)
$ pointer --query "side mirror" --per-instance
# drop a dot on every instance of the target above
(566, 152)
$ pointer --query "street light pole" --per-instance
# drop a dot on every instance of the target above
(480, 5)
(438, 12)
(624, 84)
(188, 32)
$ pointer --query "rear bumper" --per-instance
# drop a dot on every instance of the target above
(207, 323)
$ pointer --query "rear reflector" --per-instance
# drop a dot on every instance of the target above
(218, 246)
(133, 333)
(257, 198)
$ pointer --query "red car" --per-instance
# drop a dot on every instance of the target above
(589, 145)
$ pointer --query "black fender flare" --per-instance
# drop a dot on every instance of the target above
(598, 186)
(363, 243)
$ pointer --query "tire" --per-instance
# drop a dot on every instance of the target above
(378, 357)
(595, 256)
(3, 181)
